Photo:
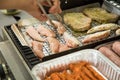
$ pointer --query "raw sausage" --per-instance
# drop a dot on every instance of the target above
(116, 47)
(111, 55)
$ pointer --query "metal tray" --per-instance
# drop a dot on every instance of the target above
(98, 60)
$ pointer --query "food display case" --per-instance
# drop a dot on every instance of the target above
(20, 37)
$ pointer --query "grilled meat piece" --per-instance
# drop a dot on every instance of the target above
(103, 27)
(77, 21)
(100, 15)
(96, 36)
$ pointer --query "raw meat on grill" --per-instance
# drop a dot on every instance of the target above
(100, 15)
(77, 21)
(59, 26)
(34, 33)
(70, 40)
(45, 31)
(38, 49)
(63, 47)
(54, 44)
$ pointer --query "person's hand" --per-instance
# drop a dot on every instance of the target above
(54, 8)
(32, 8)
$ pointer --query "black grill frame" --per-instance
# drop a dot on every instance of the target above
(25, 51)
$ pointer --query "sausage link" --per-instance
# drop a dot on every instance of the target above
(116, 47)
(111, 55)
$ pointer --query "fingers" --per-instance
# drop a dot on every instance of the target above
(56, 7)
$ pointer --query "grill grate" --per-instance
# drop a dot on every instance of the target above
(25, 51)
(31, 60)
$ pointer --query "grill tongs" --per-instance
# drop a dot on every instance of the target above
(45, 13)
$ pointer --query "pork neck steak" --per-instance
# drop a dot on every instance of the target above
(100, 15)
(77, 21)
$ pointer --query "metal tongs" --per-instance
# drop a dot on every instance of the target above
(43, 10)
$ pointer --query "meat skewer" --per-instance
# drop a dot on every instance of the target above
(34, 34)
(46, 32)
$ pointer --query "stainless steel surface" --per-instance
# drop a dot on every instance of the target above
(13, 60)
(8, 51)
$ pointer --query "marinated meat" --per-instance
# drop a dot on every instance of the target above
(100, 15)
(34, 34)
(116, 47)
(77, 21)
(38, 49)
(96, 74)
(110, 54)
(70, 40)
(54, 44)
(45, 32)
(59, 26)
(103, 27)
(77, 71)
(96, 36)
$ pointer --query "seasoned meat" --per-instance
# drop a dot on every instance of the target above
(103, 27)
(116, 47)
(96, 36)
(100, 15)
(77, 21)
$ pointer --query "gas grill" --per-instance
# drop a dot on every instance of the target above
(31, 60)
